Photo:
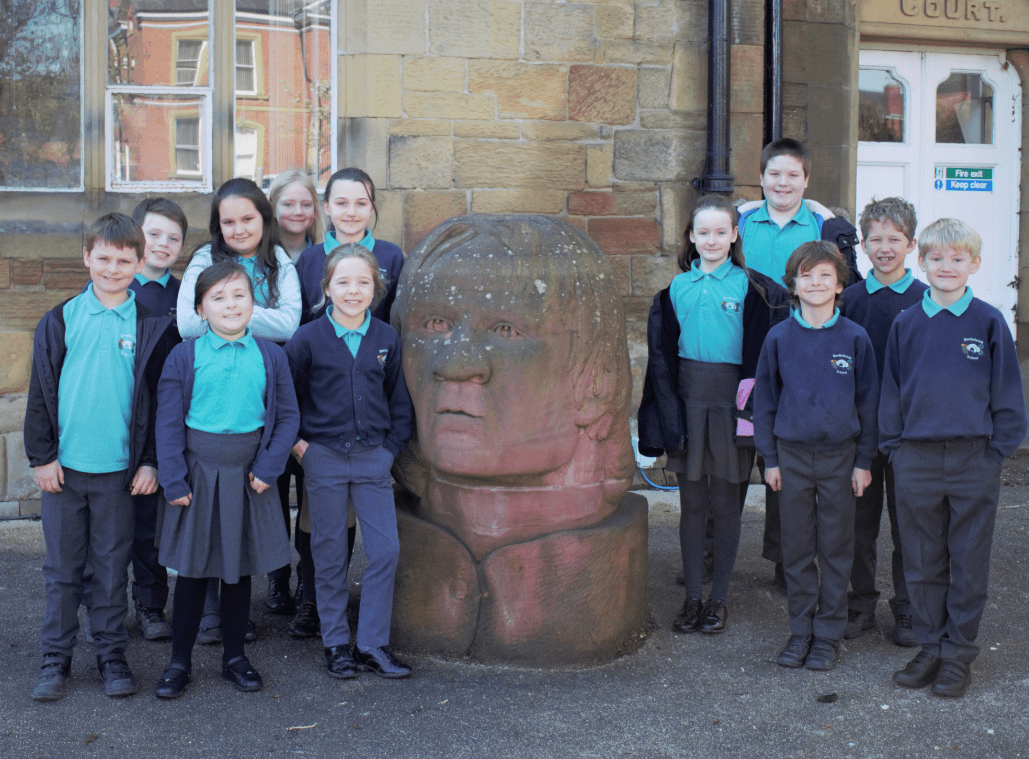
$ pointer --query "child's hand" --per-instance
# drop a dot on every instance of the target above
(49, 477)
(145, 481)
(861, 479)
(257, 485)
(773, 477)
(184, 501)
(299, 449)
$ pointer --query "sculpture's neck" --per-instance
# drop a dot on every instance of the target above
(488, 517)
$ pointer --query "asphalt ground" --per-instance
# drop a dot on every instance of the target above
(678, 696)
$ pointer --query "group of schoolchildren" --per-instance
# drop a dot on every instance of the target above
(273, 359)
(161, 417)
(842, 393)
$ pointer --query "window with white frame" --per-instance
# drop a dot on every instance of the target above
(187, 63)
(246, 79)
(160, 92)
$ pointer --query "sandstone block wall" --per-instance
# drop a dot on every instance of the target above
(593, 111)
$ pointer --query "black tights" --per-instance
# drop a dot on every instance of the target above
(696, 499)
(188, 607)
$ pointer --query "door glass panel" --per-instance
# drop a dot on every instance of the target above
(881, 101)
(964, 110)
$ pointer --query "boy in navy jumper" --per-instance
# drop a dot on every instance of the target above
(814, 423)
(89, 434)
(951, 410)
(888, 236)
(164, 228)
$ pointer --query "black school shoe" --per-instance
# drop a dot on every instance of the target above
(306, 623)
(689, 618)
(172, 683)
(823, 656)
(118, 678)
(242, 675)
(918, 672)
(794, 653)
(279, 600)
(713, 618)
(382, 662)
(53, 674)
(953, 680)
(339, 660)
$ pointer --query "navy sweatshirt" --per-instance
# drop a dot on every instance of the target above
(311, 269)
(343, 397)
(816, 387)
(876, 312)
(160, 300)
(952, 377)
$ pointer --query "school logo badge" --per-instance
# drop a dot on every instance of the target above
(842, 363)
(127, 345)
(382, 356)
(731, 306)
(973, 348)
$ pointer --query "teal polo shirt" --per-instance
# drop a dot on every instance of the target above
(957, 308)
(228, 386)
(94, 394)
(800, 319)
(767, 246)
(332, 243)
(162, 281)
(259, 280)
(352, 337)
(900, 287)
(709, 308)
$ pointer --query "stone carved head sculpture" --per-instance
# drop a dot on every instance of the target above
(515, 354)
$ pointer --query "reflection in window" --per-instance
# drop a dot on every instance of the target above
(246, 152)
(880, 106)
(157, 137)
(40, 95)
(964, 110)
(187, 146)
(245, 67)
(157, 42)
(284, 88)
(187, 62)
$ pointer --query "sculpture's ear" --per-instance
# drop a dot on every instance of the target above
(595, 387)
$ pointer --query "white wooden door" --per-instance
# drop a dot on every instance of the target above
(943, 131)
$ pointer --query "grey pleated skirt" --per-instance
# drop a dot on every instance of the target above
(228, 531)
(710, 393)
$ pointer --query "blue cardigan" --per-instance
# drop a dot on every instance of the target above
(343, 397)
(175, 393)
(311, 268)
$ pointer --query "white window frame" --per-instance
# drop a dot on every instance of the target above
(252, 66)
(203, 181)
(198, 147)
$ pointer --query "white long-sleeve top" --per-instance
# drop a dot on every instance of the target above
(277, 324)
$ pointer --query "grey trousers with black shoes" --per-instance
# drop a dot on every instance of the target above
(947, 494)
(817, 510)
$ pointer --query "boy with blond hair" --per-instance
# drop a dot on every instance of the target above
(951, 410)
(887, 237)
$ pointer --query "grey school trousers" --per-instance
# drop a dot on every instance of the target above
(92, 517)
(947, 494)
(333, 478)
(817, 510)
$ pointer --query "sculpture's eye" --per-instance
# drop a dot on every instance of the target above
(506, 332)
(438, 324)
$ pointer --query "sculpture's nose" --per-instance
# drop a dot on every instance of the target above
(462, 358)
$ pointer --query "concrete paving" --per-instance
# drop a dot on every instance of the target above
(714, 696)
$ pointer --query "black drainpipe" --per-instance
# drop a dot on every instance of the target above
(716, 163)
(773, 70)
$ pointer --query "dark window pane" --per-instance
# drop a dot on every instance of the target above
(881, 104)
(964, 110)
(40, 95)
